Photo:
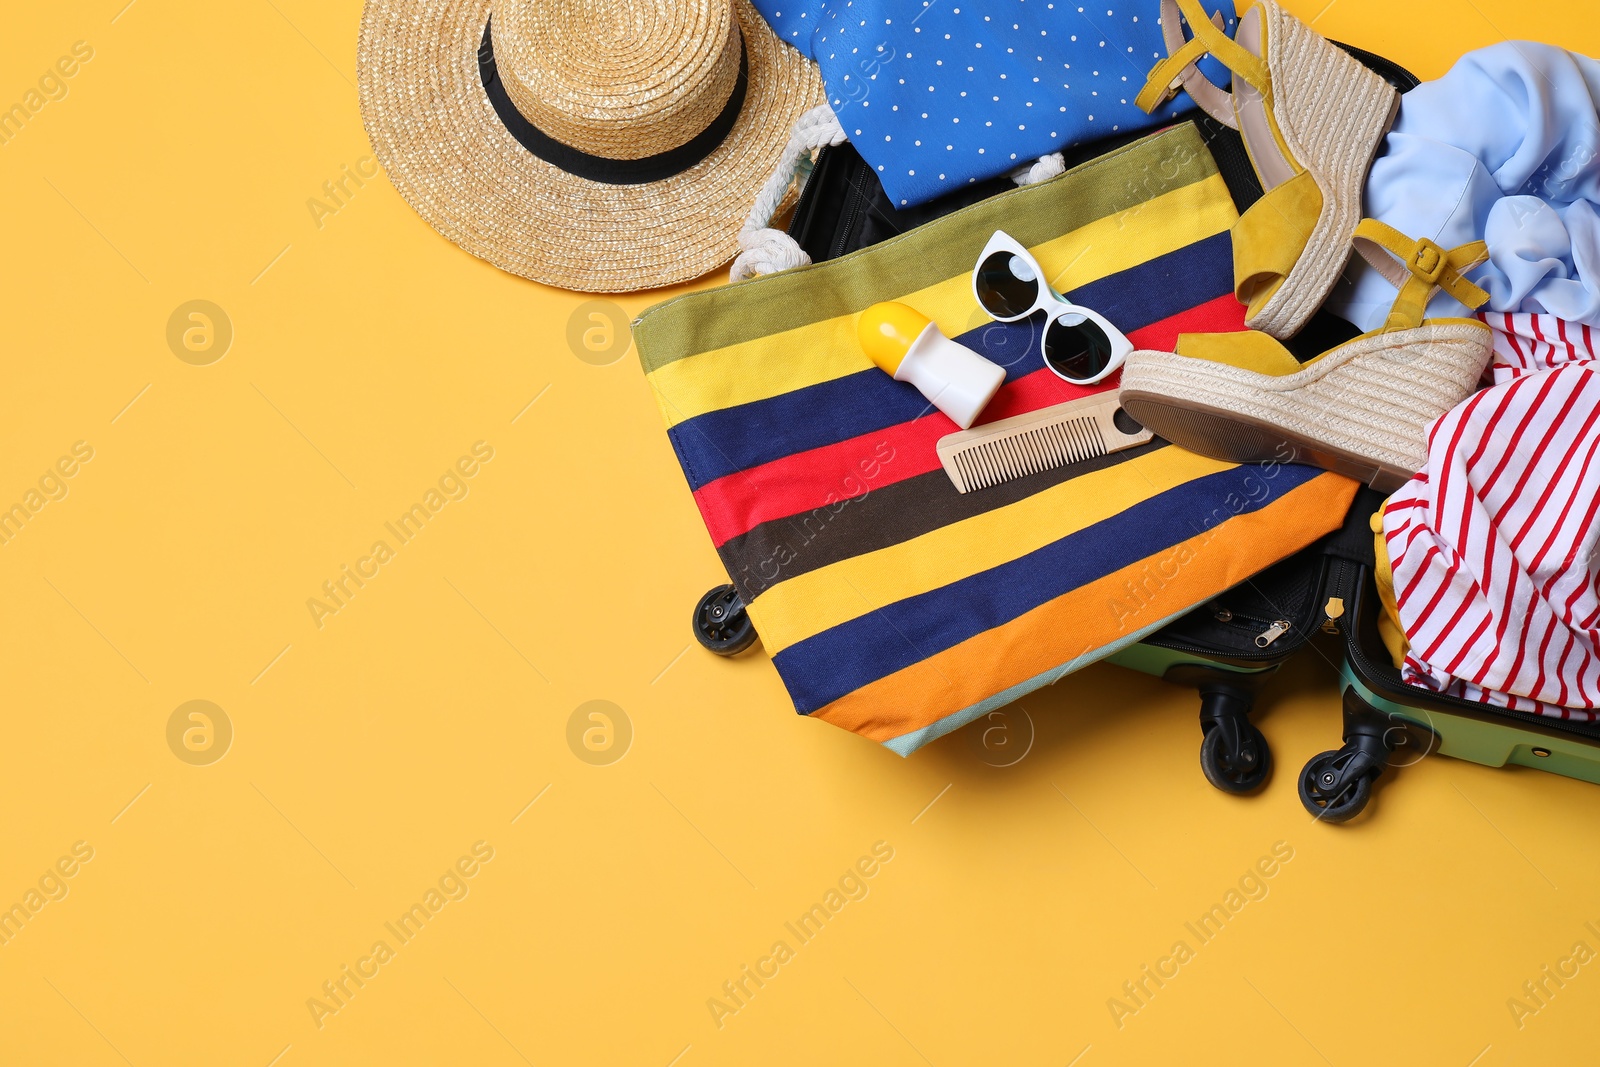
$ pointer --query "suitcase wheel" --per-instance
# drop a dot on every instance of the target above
(1233, 753)
(721, 624)
(1236, 761)
(1336, 786)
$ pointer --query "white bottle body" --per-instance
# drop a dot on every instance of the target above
(953, 377)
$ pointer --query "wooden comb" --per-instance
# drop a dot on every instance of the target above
(1038, 441)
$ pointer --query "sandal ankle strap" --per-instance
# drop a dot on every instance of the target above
(1423, 268)
(1180, 70)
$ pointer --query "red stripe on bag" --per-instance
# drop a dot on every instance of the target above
(805, 481)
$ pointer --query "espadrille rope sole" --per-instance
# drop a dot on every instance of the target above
(1362, 410)
(1237, 439)
(1333, 113)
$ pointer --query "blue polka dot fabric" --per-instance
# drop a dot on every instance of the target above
(935, 94)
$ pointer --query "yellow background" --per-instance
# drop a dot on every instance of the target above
(369, 754)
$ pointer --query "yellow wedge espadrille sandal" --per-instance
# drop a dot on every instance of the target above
(1312, 118)
(1361, 409)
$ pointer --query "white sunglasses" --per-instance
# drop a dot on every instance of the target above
(1078, 344)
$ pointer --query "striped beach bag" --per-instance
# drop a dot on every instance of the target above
(891, 604)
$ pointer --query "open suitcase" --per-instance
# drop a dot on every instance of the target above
(1223, 648)
(1390, 724)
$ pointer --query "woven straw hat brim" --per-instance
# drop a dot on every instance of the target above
(447, 152)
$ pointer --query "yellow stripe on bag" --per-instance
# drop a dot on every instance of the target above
(818, 600)
(822, 351)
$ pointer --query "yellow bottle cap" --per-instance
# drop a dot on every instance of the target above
(886, 331)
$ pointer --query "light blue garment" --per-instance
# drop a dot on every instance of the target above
(1505, 148)
(936, 94)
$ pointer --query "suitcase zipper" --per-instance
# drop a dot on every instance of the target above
(1266, 634)
(1272, 633)
(1387, 69)
(1332, 612)
(1267, 652)
(852, 208)
(1274, 628)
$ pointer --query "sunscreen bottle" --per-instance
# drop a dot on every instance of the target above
(910, 348)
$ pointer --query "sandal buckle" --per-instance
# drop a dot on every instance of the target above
(1429, 261)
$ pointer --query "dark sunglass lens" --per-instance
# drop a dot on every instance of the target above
(1076, 352)
(1006, 285)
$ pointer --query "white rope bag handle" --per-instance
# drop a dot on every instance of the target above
(1047, 167)
(766, 250)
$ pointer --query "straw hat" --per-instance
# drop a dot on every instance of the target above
(599, 145)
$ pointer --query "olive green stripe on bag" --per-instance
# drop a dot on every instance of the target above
(1121, 181)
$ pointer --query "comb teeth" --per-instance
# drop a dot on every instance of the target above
(1037, 441)
(985, 463)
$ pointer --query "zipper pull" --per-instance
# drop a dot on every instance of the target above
(1223, 615)
(1334, 610)
(1272, 633)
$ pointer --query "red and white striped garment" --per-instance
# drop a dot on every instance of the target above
(1528, 344)
(1493, 544)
